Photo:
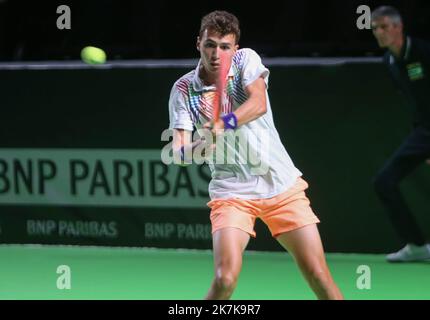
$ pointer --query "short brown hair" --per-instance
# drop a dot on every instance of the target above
(222, 22)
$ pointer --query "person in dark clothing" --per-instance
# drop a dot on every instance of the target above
(408, 60)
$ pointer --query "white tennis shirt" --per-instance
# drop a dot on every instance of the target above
(258, 166)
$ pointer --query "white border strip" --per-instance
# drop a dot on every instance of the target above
(179, 63)
(36, 246)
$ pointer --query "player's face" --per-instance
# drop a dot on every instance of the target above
(212, 45)
(386, 32)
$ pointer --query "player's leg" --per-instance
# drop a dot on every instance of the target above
(292, 222)
(228, 247)
(413, 152)
(304, 244)
(232, 225)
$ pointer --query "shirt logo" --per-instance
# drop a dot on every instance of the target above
(415, 71)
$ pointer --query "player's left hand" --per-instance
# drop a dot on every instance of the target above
(428, 161)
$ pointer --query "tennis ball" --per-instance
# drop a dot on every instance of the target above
(93, 55)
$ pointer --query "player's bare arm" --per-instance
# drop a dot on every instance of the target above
(181, 140)
(183, 146)
(253, 108)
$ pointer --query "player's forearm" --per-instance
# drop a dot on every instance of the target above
(183, 153)
(252, 109)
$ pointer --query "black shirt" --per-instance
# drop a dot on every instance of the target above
(411, 72)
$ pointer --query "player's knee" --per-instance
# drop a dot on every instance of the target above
(226, 280)
(318, 276)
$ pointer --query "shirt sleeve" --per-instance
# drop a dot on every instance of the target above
(253, 68)
(179, 114)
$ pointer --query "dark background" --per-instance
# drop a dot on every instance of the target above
(141, 29)
(338, 122)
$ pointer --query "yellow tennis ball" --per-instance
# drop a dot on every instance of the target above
(93, 55)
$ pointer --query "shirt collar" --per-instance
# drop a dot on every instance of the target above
(407, 49)
(198, 84)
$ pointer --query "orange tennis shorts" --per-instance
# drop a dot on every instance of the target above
(285, 212)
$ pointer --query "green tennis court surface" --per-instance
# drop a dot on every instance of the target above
(30, 272)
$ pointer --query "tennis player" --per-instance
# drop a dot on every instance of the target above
(240, 193)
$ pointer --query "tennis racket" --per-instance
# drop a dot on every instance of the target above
(220, 87)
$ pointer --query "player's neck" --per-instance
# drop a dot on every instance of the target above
(207, 78)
